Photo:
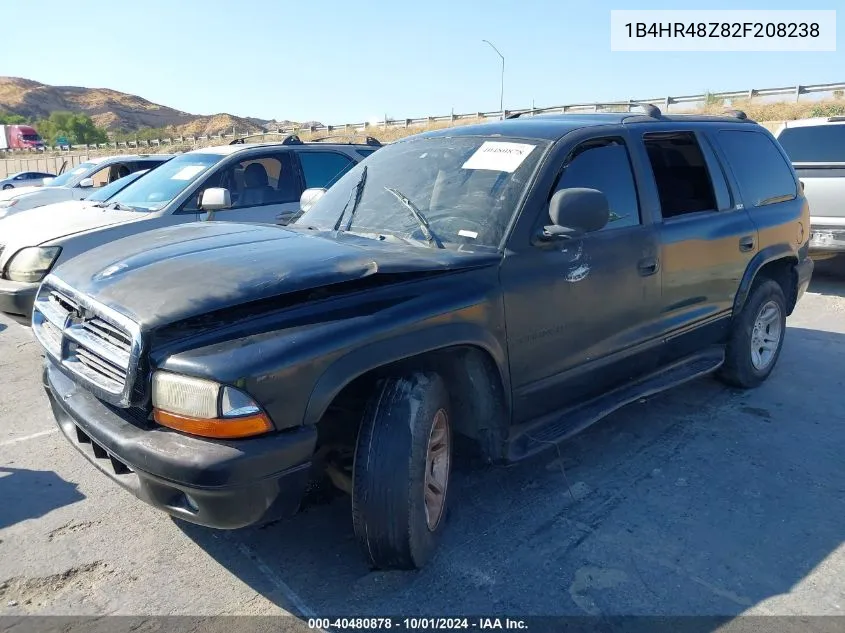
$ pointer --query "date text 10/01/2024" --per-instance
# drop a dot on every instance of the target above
(418, 624)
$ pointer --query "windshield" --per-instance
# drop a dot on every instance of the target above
(72, 176)
(462, 190)
(158, 188)
(104, 193)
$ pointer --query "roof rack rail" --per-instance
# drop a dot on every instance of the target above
(835, 119)
(370, 140)
(290, 139)
(650, 109)
(737, 114)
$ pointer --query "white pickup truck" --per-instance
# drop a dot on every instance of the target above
(816, 148)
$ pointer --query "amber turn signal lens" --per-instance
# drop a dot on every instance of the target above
(219, 428)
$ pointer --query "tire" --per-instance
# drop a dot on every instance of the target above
(765, 309)
(394, 523)
(5, 187)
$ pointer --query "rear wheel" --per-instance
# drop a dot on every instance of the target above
(401, 472)
(757, 338)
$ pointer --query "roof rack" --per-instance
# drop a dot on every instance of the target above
(290, 139)
(370, 140)
(650, 109)
(835, 119)
(737, 114)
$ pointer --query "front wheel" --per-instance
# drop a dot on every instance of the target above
(401, 471)
(757, 337)
(5, 187)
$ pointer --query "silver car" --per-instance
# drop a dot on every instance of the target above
(25, 179)
(816, 148)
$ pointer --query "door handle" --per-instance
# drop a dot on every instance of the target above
(648, 266)
(746, 243)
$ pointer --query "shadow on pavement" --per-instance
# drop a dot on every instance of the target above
(29, 494)
(701, 501)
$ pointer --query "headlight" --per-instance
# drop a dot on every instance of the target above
(204, 407)
(30, 265)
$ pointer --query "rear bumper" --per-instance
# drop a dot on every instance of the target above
(220, 484)
(17, 298)
(827, 238)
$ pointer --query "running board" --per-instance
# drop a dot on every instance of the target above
(531, 438)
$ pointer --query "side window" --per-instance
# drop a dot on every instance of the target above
(101, 176)
(255, 181)
(323, 169)
(764, 176)
(683, 180)
(814, 143)
(604, 165)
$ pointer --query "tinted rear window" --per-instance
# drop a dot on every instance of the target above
(764, 176)
(816, 144)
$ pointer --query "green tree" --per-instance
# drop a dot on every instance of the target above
(77, 128)
(11, 119)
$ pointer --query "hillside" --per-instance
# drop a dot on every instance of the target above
(117, 111)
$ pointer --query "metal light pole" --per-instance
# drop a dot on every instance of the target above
(502, 92)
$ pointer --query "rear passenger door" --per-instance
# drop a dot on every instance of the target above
(707, 239)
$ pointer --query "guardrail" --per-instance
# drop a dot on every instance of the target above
(664, 102)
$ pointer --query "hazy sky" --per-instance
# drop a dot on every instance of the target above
(342, 61)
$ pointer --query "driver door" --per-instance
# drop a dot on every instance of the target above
(261, 185)
(578, 310)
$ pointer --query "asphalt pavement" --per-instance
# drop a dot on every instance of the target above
(700, 501)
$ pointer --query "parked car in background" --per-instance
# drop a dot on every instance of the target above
(511, 282)
(78, 182)
(20, 137)
(239, 182)
(24, 179)
(816, 148)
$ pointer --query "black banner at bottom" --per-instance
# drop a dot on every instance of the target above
(533, 624)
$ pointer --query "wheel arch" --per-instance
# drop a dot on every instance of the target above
(777, 263)
(470, 360)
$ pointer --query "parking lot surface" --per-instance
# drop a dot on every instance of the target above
(703, 500)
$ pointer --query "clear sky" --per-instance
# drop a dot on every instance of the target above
(339, 61)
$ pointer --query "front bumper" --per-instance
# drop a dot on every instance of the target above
(804, 273)
(827, 238)
(220, 484)
(17, 298)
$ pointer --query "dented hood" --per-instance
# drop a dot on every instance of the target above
(169, 274)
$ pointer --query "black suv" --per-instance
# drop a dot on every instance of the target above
(511, 282)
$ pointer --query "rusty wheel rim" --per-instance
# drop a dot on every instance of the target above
(437, 462)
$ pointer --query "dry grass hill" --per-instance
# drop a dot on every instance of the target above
(117, 111)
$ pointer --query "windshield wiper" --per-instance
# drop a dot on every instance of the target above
(359, 189)
(418, 216)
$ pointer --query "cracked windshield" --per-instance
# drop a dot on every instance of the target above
(455, 193)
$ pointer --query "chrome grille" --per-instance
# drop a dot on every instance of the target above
(98, 345)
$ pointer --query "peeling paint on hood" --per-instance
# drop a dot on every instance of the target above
(169, 274)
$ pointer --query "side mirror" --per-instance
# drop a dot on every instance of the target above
(309, 198)
(215, 198)
(86, 183)
(576, 211)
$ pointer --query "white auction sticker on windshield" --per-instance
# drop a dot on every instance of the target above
(186, 173)
(499, 156)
